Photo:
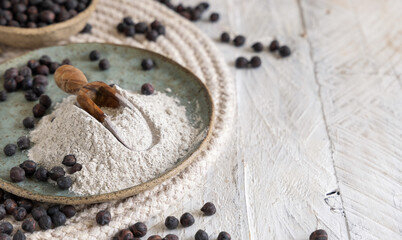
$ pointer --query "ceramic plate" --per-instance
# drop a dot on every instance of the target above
(127, 73)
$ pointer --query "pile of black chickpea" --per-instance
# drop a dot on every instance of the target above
(39, 13)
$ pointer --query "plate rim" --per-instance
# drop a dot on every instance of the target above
(131, 191)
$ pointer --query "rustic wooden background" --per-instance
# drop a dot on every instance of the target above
(328, 118)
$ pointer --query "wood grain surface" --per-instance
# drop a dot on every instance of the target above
(328, 119)
(318, 136)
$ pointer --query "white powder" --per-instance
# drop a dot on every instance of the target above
(107, 165)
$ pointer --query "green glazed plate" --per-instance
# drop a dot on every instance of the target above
(127, 73)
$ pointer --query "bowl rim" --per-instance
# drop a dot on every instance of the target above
(131, 191)
(52, 27)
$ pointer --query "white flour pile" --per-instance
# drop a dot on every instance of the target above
(107, 165)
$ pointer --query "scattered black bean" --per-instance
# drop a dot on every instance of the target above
(155, 24)
(19, 235)
(17, 174)
(94, 55)
(141, 27)
(152, 35)
(41, 174)
(147, 64)
(125, 234)
(56, 172)
(19, 213)
(201, 235)
(69, 160)
(239, 40)
(129, 30)
(3, 96)
(27, 84)
(45, 101)
(241, 62)
(6, 227)
(53, 67)
(87, 28)
(208, 209)
(53, 209)
(2, 212)
(139, 229)
(64, 182)
(187, 220)
(273, 46)
(38, 212)
(257, 47)
(214, 17)
(10, 205)
(29, 122)
(29, 167)
(121, 27)
(19, 80)
(29, 225)
(10, 149)
(171, 222)
(69, 211)
(45, 60)
(284, 51)
(10, 73)
(59, 219)
(76, 168)
(255, 62)
(147, 89)
(42, 70)
(23, 143)
(30, 96)
(25, 71)
(128, 21)
(66, 62)
(25, 203)
(171, 237)
(103, 217)
(4, 236)
(32, 64)
(155, 237)
(38, 110)
(7, 195)
(161, 30)
(40, 80)
(319, 234)
(39, 89)
(224, 236)
(45, 222)
(10, 85)
(104, 64)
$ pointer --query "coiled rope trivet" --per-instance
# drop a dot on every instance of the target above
(188, 46)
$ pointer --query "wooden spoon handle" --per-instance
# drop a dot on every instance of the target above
(90, 107)
(102, 94)
(70, 79)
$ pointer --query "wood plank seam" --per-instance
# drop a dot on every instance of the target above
(303, 23)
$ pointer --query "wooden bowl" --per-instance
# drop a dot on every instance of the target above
(46, 36)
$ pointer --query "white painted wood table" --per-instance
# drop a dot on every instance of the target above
(328, 118)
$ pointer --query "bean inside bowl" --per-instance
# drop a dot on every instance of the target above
(50, 27)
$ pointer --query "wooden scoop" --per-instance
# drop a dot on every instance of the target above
(91, 96)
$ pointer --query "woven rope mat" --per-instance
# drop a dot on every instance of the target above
(188, 46)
